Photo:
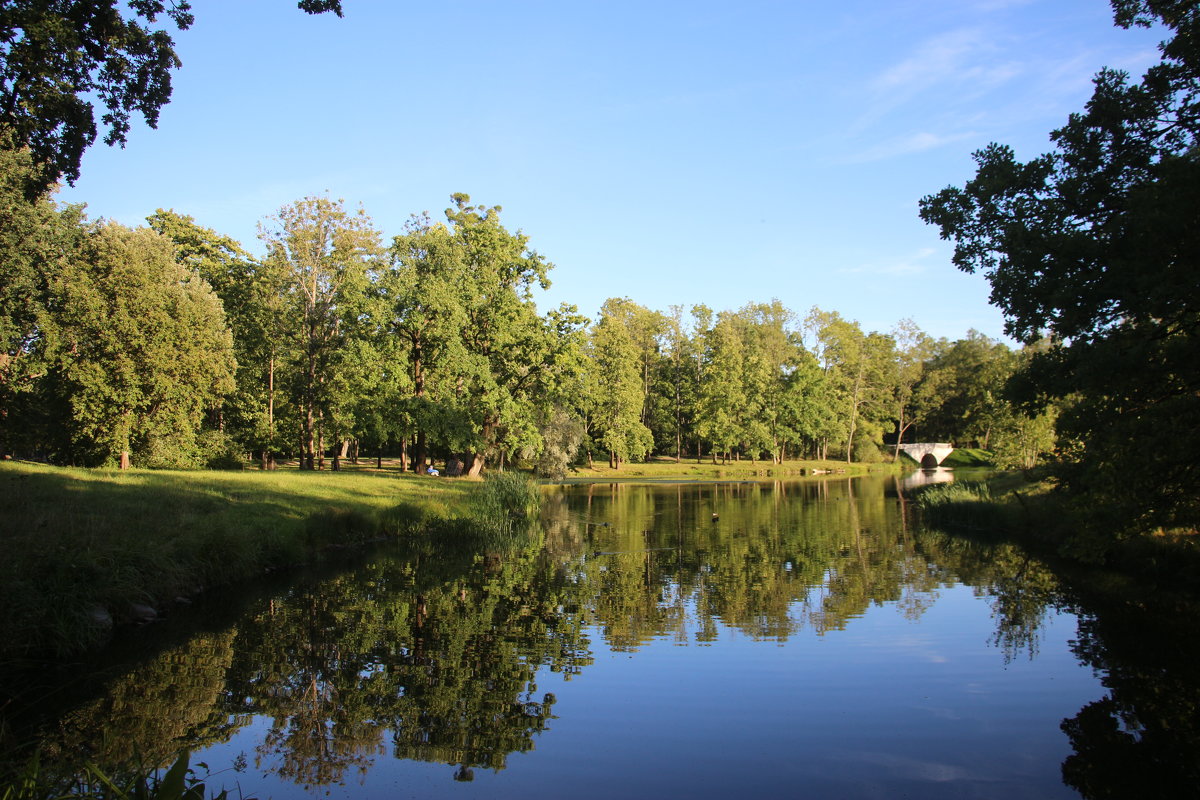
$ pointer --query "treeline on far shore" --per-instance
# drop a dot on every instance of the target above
(171, 346)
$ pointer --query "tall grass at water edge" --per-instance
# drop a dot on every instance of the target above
(510, 501)
(1052, 525)
(178, 781)
(84, 550)
(974, 507)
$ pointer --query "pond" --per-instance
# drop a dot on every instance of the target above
(802, 638)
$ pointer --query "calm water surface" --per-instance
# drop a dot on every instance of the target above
(788, 639)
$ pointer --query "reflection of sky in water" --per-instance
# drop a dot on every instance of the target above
(892, 704)
(809, 642)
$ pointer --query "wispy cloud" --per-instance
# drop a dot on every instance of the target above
(1000, 5)
(932, 62)
(911, 264)
(906, 145)
(952, 66)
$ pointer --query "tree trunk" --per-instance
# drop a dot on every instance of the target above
(900, 429)
(419, 453)
(271, 396)
(125, 464)
(855, 402)
(476, 462)
(418, 365)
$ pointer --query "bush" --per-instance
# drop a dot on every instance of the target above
(867, 452)
(219, 450)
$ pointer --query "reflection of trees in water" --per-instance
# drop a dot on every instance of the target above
(433, 653)
(769, 567)
(147, 715)
(778, 557)
(443, 659)
(1022, 588)
(1142, 739)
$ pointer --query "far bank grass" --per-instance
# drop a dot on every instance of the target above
(82, 547)
(666, 468)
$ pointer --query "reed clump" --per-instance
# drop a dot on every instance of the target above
(975, 506)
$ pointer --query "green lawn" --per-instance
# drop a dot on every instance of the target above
(83, 546)
(666, 468)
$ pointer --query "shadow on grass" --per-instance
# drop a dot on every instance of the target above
(86, 551)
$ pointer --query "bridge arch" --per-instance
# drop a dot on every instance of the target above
(928, 454)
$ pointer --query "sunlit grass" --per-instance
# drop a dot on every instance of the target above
(81, 547)
(665, 467)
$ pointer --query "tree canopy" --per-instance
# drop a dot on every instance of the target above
(1094, 245)
(60, 58)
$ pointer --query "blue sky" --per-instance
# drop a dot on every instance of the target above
(670, 152)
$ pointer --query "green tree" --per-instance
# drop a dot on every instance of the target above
(562, 434)
(723, 396)
(252, 296)
(858, 367)
(806, 411)
(423, 289)
(37, 243)
(1022, 439)
(513, 356)
(143, 349)
(1094, 244)
(617, 386)
(967, 377)
(61, 57)
(913, 397)
(327, 255)
(772, 352)
(485, 368)
(678, 380)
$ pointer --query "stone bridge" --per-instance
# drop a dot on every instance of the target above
(927, 454)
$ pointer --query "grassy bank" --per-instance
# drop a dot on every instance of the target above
(666, 468)
(85, 550)
(88, 550)
(1024, 508)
